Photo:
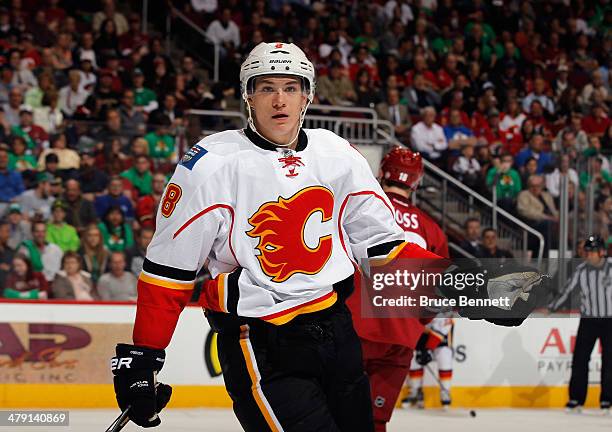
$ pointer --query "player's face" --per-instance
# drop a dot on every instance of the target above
(277, 103)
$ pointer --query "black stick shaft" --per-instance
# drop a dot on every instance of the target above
(119, 422)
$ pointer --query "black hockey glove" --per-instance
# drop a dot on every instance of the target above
(421, 353)
(135, 378)
(423, 357)
(519, 286)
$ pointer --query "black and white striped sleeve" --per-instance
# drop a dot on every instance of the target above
(567, 290)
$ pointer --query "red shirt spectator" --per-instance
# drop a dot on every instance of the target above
(540, 123)
(55, 13)
(133, 39)
(479, 121)
(23, 282)
(444, 117)
(552, 53)
(492, 133)
(511, 123)
(113, 67)
(38, 136)
(363, 58)
(29, 51)
(447, 74)
(597, 123)
(420, 66)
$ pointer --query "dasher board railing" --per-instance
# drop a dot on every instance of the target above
(342, 111)
(357, 130)
(356, 124)
(354, 130)
(219, 114)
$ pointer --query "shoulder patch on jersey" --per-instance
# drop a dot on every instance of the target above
(192, 156)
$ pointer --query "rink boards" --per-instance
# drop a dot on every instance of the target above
(57, 355)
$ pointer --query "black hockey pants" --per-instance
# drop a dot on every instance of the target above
(303, 376)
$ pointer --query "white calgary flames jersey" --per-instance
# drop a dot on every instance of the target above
(293, 222)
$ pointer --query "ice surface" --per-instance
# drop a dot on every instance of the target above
(487, 420)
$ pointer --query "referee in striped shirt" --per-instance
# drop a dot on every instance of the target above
(594, 277)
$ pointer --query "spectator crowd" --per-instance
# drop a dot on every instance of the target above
(504, 95)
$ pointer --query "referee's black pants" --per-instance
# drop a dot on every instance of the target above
(589, 330)
(303, 376)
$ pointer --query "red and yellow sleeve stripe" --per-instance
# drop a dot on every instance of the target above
(160, 302)
(434, 339)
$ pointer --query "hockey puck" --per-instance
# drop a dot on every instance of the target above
(472, 413)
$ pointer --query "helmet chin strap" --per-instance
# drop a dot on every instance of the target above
(252, 124)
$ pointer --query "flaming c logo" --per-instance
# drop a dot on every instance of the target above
(280, 225)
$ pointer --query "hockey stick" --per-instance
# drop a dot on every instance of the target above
(435, 376)
(120, 421)
(472, 413)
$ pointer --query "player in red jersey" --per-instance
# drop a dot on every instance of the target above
(401, 171)
(388, 343)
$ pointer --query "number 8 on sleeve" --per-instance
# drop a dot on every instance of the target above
(172, 197)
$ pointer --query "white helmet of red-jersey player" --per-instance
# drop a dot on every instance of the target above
(277, 58)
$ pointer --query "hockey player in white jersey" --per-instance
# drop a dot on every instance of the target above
(282, 216)
(436, 343)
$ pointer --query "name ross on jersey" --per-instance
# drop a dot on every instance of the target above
(407, 220)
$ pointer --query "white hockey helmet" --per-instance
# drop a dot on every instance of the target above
(277, 58)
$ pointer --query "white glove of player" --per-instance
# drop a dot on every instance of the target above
(513, 286)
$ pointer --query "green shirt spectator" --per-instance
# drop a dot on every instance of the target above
(63, 235)
(160, 146)
(117, 239)
(117, 235)
(508, 183)
(140, 175)
(144, 98)
(598, 174)
(585, 178)
(33, 97)
(161, 143)
(17, 131)
(485, 38)
(488, 34)
(18, 159)
(441, 46)
(59, 232)
(22, 162)
(368, 38)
